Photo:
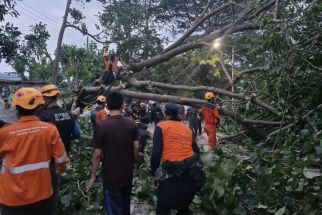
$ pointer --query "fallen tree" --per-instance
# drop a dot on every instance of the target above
(246, 20)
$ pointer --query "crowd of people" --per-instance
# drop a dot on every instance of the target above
(35, 150)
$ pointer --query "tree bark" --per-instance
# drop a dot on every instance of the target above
(92, 92)
(56, 61)
(149, 84)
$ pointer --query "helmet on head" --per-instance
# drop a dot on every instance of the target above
(142, 104)
(50, 90)
(105, 54)
(27, 98)
(101, 98)
(209, 95)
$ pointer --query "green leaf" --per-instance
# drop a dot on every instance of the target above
(262, 206)
(309, 174)
(280, 211)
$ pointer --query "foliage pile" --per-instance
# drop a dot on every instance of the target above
(257, 179)
(281, 176)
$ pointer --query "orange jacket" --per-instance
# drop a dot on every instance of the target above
(27, 148)
(209, 113)
(102, 115)
(177, 141)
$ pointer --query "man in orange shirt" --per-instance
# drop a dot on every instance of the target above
(209, 113)
(27, 148)
(102, 114)
(100, 105)
(176, 174)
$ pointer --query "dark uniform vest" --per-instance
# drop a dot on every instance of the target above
(64, 121)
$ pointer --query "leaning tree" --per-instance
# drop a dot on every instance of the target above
(273, 49)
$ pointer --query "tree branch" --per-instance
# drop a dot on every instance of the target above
(262, 9)
(160, 58)
(199, 21)
(291, 125)
(54, 68)
(87, 33)
(91, 93)
(46, 53)
(225, 69)
(148, 84)
(244, 72)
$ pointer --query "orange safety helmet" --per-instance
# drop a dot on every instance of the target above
(101, 98)
(27, 98)
(209, 95)
(50, 90)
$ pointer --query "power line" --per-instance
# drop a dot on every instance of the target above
(53, 26)
(49, 19)
(55, 29)
(41, 13)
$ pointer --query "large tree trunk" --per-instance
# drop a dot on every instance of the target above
(56, 61)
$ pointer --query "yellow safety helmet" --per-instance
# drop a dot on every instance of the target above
(105, 54)
(27, 98)
(50, 90)
(209, 95)
(101, 98)
(142, 104)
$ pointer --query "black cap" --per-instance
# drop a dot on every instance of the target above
(171, 109)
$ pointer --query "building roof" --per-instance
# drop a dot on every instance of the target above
(9, 77)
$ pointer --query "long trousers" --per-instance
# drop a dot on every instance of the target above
(39, 208)
(117, 202)
(174, 194)
(211, 133)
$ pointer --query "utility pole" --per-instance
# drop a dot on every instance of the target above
(232, 66)
(87, 42)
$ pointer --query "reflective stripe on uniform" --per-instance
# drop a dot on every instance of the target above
(61, 159)
(29, 167)
(3, 166)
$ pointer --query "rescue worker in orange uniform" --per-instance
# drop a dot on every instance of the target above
(27, 148)
(176, 173)
(100, 105)
(103, 113)
(209, 114)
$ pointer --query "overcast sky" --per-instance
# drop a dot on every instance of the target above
(51, 12)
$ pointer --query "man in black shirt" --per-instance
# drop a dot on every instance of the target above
(156, 114)
(116, 144)
(65, 122)
(63, 119)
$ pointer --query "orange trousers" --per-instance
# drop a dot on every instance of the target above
(211, 133)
